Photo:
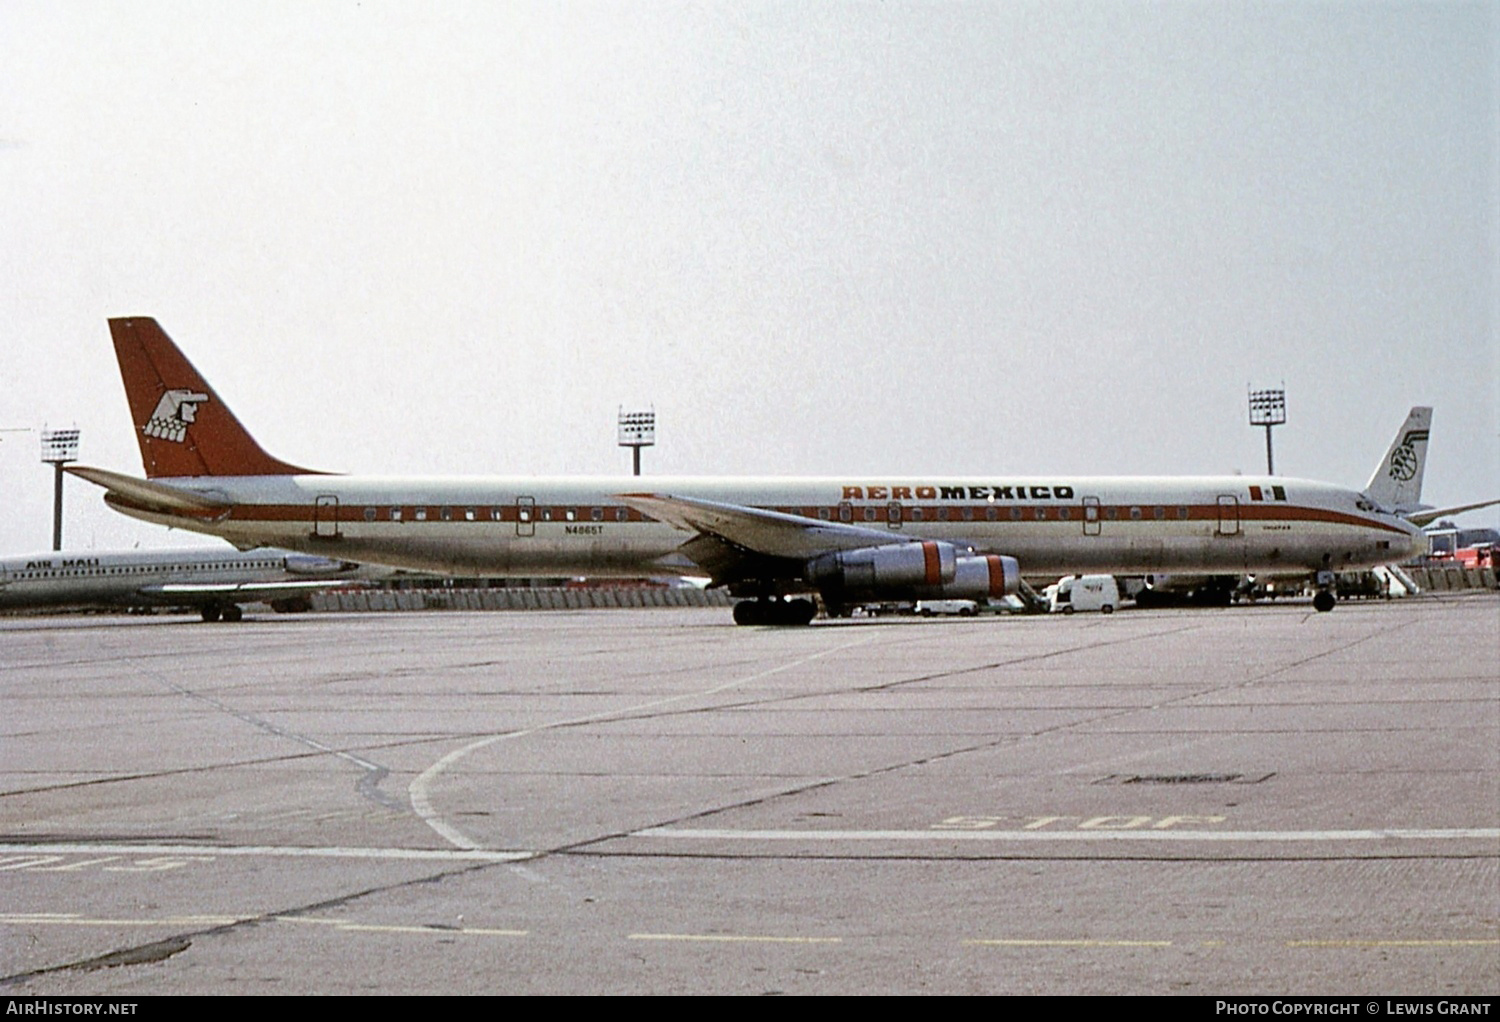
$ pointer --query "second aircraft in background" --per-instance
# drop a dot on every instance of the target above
(216, 583)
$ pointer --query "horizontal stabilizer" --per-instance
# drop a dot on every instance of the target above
(151, 496)
(1426, 517)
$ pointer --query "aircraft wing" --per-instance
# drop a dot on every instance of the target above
(1427, 517)
(758, 531)
(190, 591)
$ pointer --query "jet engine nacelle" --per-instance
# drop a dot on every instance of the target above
(980, 577)
(929, 563)
(312, 564)
(925, 570)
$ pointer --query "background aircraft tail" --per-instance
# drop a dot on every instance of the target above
(184, 429)
(1397, 482)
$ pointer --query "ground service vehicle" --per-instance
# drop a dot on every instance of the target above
(1083, 592)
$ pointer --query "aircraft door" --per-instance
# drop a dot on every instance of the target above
(1091, 515)
(326, 517)
(1229, 515)
(525, 516)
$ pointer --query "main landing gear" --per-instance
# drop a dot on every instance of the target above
(229, 612)
(774, 611)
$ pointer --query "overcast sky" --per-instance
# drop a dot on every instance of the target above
(830, 238)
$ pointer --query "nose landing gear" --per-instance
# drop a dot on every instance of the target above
(1324, 600)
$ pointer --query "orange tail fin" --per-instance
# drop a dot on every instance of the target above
(183, 427)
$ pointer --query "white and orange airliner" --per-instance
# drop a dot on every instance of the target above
(848, 539)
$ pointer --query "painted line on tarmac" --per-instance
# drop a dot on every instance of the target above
(732, 938)
(74, 919)
(1451, 942)
(428, 930)
(65, 919)
(1221, 836)
(420, 789)
(1067, 943)
(347, 927)
(292, 851)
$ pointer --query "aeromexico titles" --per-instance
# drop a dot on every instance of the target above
(777, 539)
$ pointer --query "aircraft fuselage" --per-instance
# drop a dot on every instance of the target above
(562, 526)
(159, 578)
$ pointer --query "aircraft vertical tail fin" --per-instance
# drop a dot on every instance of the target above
(1397, 482)
(184, 429)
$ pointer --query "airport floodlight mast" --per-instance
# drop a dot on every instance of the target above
(59, 446)
(1268, 409)
(637, 430)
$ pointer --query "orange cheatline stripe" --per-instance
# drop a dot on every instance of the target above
(353, 511)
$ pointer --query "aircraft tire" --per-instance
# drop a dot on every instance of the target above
(233, 613)
(209, 613)
(1324, 601)
(775, 612)
(802, 611)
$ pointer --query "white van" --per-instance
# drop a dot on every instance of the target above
(1083, 592)
(963, 608)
